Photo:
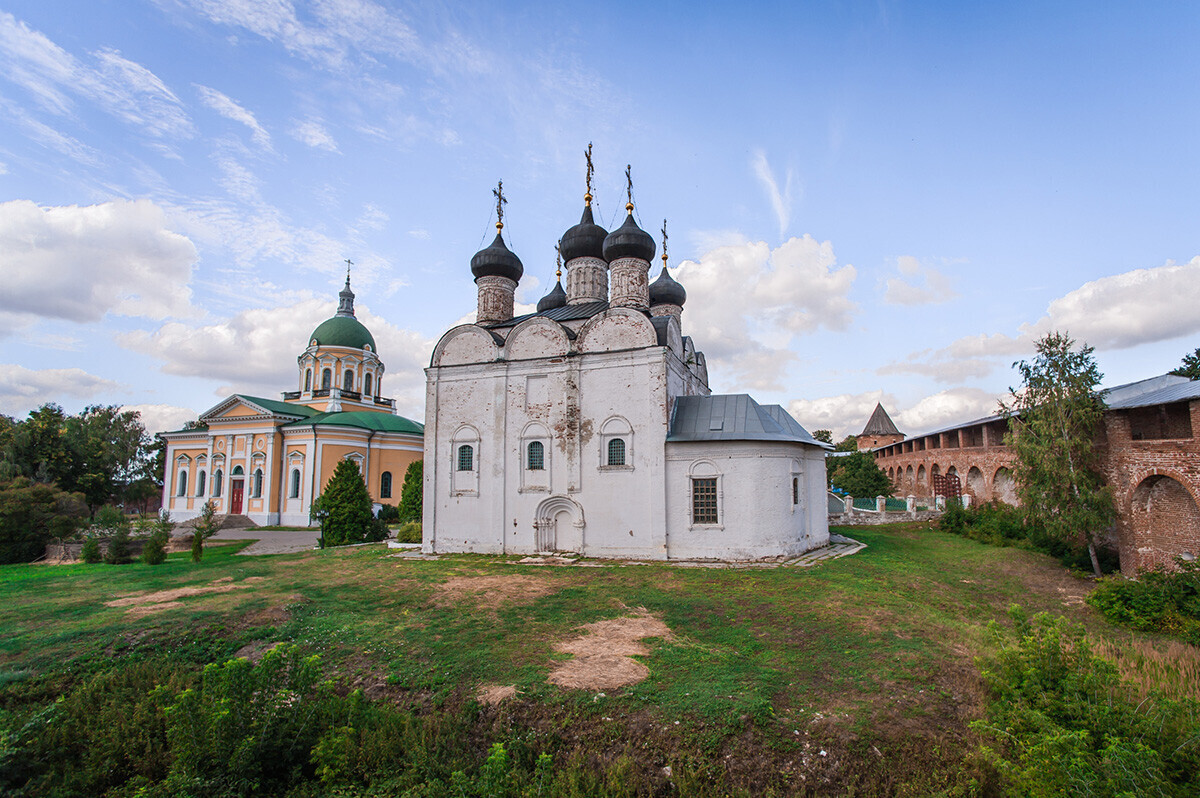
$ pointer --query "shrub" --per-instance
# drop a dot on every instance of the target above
(31, 515)
(154, 551)
(389, 513)
(998, 524)
(90, 553)
(1064, 723)
(412, 492)
(1159, 601)
(344, 508)
(409, 533)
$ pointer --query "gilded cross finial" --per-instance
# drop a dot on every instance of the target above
(498, 193)
(628, 187)
(664, 232)
(591, 170)
(558, 259)
(349, 263)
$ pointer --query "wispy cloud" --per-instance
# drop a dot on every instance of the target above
(781, 198)
(917, 284)
(313, 133)
(229, 109)
(23, 389)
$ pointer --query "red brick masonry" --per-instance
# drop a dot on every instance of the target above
(1150, 457)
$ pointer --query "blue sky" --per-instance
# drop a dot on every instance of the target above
(867, 201)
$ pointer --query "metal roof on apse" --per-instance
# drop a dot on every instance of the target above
(732, 417)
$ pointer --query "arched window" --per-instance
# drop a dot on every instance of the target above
(294, 493)
(182, 484)
(237, 471)
(535, 458)
(466, 458)
(348, 380)
(307, 380)
(616, 452)
(200, 480)
(258, 480)
(795, 490)
(217, 480)
(367, 385)
(326, 379)
(385, 485)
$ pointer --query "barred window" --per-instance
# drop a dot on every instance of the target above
(326, 378)
(535, 459)
(385, 485)
(466, 458)
(616, 452)
(348, 380)
(795, 490)
(704, 501)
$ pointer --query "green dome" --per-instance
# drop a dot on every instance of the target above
(343, 331)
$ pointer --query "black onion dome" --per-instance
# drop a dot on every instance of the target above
(629, 241)
(497, 261)
(584, 240)
(555, 299)
(666, 291)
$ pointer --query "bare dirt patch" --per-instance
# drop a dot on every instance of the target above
(492, 591)
(146, 603)
(603, 655)
(493, 694)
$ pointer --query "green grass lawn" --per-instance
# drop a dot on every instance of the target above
(868, 659)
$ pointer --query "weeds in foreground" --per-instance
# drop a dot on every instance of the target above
(1063, 722)
(1159, 600)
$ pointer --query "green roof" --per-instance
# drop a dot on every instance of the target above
(363, 419)
(343, 331)
(281, 408)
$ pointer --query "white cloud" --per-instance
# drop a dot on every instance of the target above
(229, 109)
(255, 351)
(845, 414)
(1118, 312)
(918, 284)
(944, 409)
(23, 389)
(781, 199)
(123, 88)
(314, 134)
(746, 301)
(79, 263)
(163, 418)
(3, 168)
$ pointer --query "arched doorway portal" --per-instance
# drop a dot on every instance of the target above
(558, 525)
(1164, 523)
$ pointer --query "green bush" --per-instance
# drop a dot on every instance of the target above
(31, 515)
(389, 513)
(1159, 600)
(90, 553)
(998, 524)
(1064, 723)
(154, 550)
(412, 492)
(409, 533)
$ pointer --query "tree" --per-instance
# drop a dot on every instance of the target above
(412, 492)
(858, 475)
(344, 507)
(40, 448)
(113, 449)
(1053, 423)
(823, 435)
(114, 523)
(33, 514)
(1190, 367)
(847, 444)
(206, 527)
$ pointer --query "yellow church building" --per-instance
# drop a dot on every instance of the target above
(268, 458)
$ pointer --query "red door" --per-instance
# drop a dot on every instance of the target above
(236, 487)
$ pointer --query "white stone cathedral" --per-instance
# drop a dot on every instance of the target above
(588, 426)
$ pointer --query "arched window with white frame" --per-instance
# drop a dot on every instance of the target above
(294, 490)
(466, 460)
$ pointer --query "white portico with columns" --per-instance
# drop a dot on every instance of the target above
(589, 427)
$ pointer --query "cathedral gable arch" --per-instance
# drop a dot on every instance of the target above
(616, 329)
(467, 343)
(535, 338)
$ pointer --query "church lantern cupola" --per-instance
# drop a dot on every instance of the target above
(497, 271)
(666, 295)
(582, 248)
(557, 297)
(628, 250)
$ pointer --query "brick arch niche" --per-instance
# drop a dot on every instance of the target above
(1004, 487)
(1163, 523)
(975, 484)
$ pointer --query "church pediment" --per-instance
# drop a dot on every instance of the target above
(239, 407)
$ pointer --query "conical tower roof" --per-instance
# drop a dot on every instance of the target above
(880, 423)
